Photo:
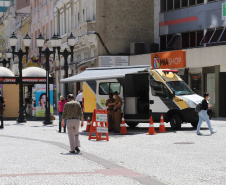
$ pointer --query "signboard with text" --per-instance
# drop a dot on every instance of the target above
(113, 61)
(101, 117)
(223, 11)
(168, 60)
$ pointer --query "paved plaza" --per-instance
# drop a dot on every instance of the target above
(32, 153)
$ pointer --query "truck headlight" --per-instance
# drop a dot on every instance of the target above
(190, 104)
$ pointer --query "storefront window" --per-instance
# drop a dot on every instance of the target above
(196, 84)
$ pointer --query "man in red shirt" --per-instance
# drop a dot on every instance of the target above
(60, 110)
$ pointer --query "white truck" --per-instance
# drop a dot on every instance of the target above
(145, 92)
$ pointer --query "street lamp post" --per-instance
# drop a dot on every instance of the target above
(8, 56)
(57, 42)
(47, 53)
(20, 54)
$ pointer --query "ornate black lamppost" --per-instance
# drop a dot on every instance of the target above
(20, 54)
(56, 43)
(47, 53)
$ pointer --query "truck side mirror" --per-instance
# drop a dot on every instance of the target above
(151, 101)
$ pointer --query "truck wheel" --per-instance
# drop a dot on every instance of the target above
(194, 124)
(175, 122)
(132, 124)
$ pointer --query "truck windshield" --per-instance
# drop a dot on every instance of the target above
(180, 87)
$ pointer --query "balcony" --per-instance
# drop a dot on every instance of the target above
(84, 28)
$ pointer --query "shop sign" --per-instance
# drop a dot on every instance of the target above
(34, 80)
(8, 80)
(113, 61)
(168, 60)
(223, 11)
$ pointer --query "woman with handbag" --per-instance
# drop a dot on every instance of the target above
(203, 114)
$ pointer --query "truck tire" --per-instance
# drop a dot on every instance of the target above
(175, 122)
(132, 124)
(194, 124)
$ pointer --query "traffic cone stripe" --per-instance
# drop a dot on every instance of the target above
(88, 123)
(123, 125)
(161, 123)
(151, 130)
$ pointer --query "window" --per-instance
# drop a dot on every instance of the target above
(106, 88)
(180, 87)
(166, 5)
(176, 4)
(192, 39)
(185, 40)
(169, 4)
(163, 5)
(216, 36)
(207, 36)
(199, 37)
(163, 43)
(223, 37)
(159, 89)
(191, 2)
(173, 41)
(184, 3)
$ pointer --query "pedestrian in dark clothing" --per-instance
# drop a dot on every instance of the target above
(203, 114)
(2, 108)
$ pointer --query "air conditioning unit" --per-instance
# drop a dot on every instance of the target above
(151, 48)
(137, 48)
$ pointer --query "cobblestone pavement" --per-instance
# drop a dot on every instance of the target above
(32, 153)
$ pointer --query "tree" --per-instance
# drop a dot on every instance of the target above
(2, 43)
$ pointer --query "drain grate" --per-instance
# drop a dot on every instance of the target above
(184, 143)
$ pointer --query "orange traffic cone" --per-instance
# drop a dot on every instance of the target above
(123, 126)
(88, 124)
(151, 130)
(162, 126)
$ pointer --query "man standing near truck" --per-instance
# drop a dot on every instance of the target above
(117, 112)
(110, 113)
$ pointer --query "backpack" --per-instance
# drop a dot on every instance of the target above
(198, 107)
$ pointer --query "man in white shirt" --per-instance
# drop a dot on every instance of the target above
(79, 98)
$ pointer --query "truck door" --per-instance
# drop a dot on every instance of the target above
(136, 97)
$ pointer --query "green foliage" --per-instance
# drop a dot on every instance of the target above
(2, 43)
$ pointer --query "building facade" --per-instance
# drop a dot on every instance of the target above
(198, 27)
(15, 20)
(99, 23)
(41, 22)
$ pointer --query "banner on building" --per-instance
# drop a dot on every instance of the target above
(113, 61)
(40, 93)
(223, 11)
(168, 60)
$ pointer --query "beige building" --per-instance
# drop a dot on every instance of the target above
(118, 24)
(16, 19)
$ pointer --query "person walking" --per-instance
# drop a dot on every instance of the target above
(60, 109)
(203, 114)
(79, 98)
(72, 112)
(117, 112)
(110, 111)
(2, 108)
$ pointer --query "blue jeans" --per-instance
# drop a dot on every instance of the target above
(60, 120)
(203, 116)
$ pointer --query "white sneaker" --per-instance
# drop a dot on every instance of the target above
(213, 132)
